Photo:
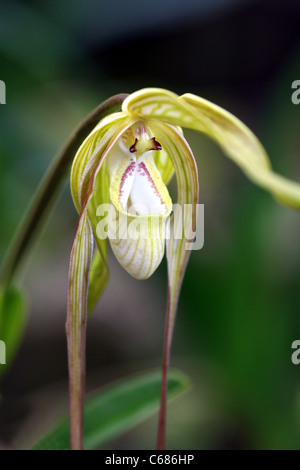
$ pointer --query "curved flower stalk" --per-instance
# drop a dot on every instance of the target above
(119, 183)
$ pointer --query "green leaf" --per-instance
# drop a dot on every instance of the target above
(116, 410)
(13, 307)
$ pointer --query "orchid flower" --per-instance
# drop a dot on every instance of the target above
(126, 163)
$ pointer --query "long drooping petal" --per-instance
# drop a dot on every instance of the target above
(182, 225)
(79, 269)
(183, 221)
(237, 141)
(241, 145)
(85, 162)
(80, 262)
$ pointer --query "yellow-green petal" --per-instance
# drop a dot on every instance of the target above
(236, 140)
(98, 278)
(241, 145)
(187, 189)
(79, 270)
(177, 247)
(89, 153)
(164, 165)
(99, 271)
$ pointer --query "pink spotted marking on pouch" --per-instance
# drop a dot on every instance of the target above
(128, 172)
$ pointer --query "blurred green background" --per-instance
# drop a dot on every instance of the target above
(239, 308)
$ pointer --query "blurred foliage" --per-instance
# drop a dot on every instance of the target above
(239, 308)
(117, 409)
(13, 310)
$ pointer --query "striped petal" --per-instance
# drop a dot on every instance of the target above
(237, 141)
(80, 262)
(142, 204)
(183, 221)
(89, 152)
(84, 164)
(178, 253)
(78, 286)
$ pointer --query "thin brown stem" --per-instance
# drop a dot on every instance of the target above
(162, 419)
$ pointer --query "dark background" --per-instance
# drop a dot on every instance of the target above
(239, 308)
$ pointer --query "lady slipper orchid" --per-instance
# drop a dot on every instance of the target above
(119, 184)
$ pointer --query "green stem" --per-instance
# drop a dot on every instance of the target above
(50, 189)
